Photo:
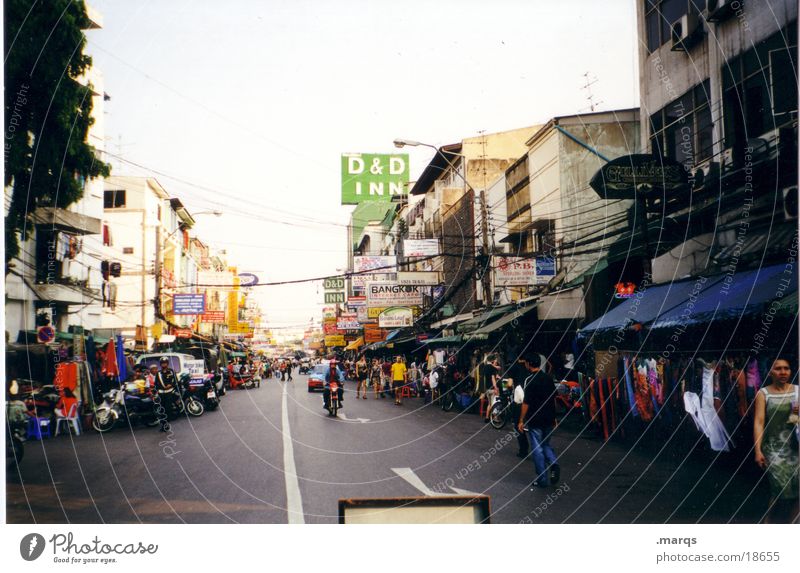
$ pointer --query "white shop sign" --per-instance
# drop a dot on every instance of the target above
(393, 294)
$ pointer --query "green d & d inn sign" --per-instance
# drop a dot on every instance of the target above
(373, 177)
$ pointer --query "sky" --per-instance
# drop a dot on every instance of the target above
(246, 106)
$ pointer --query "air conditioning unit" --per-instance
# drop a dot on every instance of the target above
(719, 10)
(790, 202)
(686, 31)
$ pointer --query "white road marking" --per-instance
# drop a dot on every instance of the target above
(294, 502)
(413, 479)
(362, 420)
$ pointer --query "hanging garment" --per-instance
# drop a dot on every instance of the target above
(714, 429)
(753, 377)
(652, 379)
(629, 386)
(644, 400)
(739, 380)
(662, 383)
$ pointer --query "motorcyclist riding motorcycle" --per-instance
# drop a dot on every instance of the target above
(333, 369)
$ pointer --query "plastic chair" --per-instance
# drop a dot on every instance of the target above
(38, 428)
(405, 391)
(72, 417)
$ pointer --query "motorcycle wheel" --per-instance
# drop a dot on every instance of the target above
(212, 405)
(104, 420)
(195, 407)
(447, 401)
(334, 409)
(497, 416)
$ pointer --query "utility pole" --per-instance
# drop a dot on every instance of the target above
(487, 261)
(157, 300)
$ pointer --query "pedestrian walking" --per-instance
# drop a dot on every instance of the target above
(399, 374)
(289, 370)
(375, 377)
(386, 377)
(518, 373)
(362, 372)
(537, 420)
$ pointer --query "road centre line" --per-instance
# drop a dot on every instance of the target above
(294, 501)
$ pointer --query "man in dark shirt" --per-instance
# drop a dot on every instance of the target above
(538, 418)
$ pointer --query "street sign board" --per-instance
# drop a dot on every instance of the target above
(382, 265)
(420, 247)
(334, 340)
(45, 334)
(396, 317)
(373, 177)
(514, 271)
(333, 283)
(348, 322)
(422, 278)
(188, 304)
(545, 269)
(393, 294)
(334, 297)
(247, 279)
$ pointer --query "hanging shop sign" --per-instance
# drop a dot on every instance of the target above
(375, 312)
(333, 283)
(334, 340)
(334, 297)
(373, 177)
(188, 304)
(420, 247)
(514, 271)
(383, 265)
(622, 177)
(545, 269)
(361, 313)
(330, 328)
(356, 301)
(329, 312)
(421, 278)
(393, 294)
(348, 321)
(396, 317)
(247, 279)
(624, 290)
(373, 334)
(182, 332)
(216, 316)
(215, 278)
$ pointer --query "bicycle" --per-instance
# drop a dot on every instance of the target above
(501, 412)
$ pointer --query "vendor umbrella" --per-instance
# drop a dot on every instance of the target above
(122, 364)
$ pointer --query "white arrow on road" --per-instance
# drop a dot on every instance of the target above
(415, 481)
(362, 420)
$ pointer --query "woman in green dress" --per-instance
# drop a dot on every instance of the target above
(776, 446)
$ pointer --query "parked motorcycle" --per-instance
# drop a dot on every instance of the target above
(123, 404)
(205, 392)
(192, 402)
(16, 420)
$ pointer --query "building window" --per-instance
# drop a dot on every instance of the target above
(683, 131)
(114, 199)
(544, 238)
(760, 88)
(659, 15)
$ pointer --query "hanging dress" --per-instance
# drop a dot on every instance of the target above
(644, 401)
(705, 417)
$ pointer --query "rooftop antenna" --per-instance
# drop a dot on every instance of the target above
(589, 95)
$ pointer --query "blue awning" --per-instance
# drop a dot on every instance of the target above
(647, 305)
(734, 296)
(392, 335)
(696, 300)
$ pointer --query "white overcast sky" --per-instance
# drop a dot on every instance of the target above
(258, 100)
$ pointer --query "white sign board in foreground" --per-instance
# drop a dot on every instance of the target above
(514, 271)
(380, 264)
(393, 294)
(420, 247)
(422, 278)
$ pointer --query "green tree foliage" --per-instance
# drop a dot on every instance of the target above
(48, 113)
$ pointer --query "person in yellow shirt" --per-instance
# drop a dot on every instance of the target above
(399, 377)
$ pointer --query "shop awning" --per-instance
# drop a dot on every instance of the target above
(505, 320)
(356, 344)
(484, 318)
(733, 296)
(444, 341)
(647, 305)
(692, 301)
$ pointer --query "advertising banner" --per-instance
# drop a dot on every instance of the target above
(393, 294)
(182, 332)
(217, 316)
(188, 304)
(348, 322)
(329, 312)
(514, 271)
(334, 340)
(357, 301)
(422, 278)
(396, 317)
(387, 265)
(373, 177)
(420, 247)
(330, 328)
(373, 334)
(362, 314)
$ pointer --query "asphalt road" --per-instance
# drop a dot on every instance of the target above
(230, 466)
